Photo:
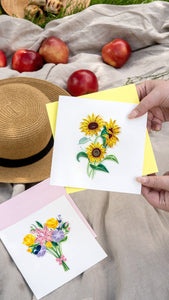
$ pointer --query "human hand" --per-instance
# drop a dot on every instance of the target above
(154, 97)
(156, 190)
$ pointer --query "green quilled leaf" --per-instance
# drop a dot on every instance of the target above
(66, 225)
(33, 250)
(104, 141)
(84, 140)
(55, 244)
(81, 154)
(99, 167)
(104, 131)
(111, 157)
(34, 245)
(39, 224)
(65, 239)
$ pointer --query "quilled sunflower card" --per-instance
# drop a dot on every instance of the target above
(96, 145)
(47, 237)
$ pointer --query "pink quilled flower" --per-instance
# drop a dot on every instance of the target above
(44, 235)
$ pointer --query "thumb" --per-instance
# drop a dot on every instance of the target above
(148, 102)
(156, 182)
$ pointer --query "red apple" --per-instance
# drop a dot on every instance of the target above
(54, 50)
(3, 60)
(116, 53)
(26, 61)
(82, 82)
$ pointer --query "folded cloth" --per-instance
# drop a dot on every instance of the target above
(133, 233)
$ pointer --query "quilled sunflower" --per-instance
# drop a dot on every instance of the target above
(113, 130)
(91, 125)
(95, 152)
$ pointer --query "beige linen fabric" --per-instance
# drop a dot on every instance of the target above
(133, 233)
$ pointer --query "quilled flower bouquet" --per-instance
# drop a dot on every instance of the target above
(47, 238)
(99, 136)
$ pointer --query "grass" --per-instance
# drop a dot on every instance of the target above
(49, 16)
(1, 10)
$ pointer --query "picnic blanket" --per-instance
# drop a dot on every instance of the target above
(134, 234)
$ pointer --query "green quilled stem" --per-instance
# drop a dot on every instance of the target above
(56, 255)
(65, 266)
(96, 139)
(93, 171)
(90, 171)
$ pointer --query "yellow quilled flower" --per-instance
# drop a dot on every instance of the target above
(95, 152)
(52, 223)
(113, 130)
(29, 250)
(92, 125)
(49, 244)
(29, 240)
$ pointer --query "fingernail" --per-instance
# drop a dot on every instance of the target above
(133, 114)
(142, 179)
(158, 127)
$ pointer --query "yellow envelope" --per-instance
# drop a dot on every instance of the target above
(127, 94)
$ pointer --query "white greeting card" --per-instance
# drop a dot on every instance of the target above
(96, 145)
(51, 246)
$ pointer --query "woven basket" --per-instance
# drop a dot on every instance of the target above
(15, 8)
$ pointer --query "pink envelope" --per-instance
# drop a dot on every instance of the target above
(31, 200)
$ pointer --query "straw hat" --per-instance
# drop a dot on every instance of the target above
(16, 7)
(26, 140)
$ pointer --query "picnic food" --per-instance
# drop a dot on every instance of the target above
(53, 6)
(33, 10)
(54, 50)
(116, 53)
(37, 8)
(3, 60)
(82, 82)
(25, 60)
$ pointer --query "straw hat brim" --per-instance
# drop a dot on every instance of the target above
(15, 8)
(38, 170)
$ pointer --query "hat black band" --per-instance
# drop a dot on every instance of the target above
(15, 163)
